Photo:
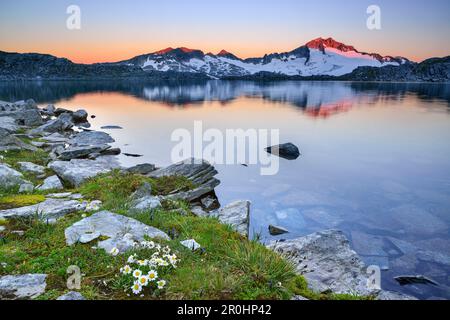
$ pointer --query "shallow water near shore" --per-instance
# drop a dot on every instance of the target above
(375, 157)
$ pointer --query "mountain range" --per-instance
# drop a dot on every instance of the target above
(325, 59)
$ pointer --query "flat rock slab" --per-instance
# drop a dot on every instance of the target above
(21, 287)
(90, 138)
(327, 262)
(76, 171)
(236, 214)
(48, 209)
(122, 232)
(81, 151)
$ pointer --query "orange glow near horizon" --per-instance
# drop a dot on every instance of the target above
(111, 52)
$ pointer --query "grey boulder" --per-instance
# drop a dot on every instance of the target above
(236, 214)
(9, 124)
(30, 167)
(76, 171)
(81, 151)
(48, 209)
(122, 232)
(327, 262)
(51, 183)
(22, 287)
(91, 138)
(9, 177)
(200, 172)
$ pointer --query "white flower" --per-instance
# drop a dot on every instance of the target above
(137, 288)
(143, 281)
(172, 259)
(114, 251)
(131, 259)
(141, 262)
(161, 284)
(152, 275)
(83, 215)
(137, 273)
(166, 250)
(126, 269)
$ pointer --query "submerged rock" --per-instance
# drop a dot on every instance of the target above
(76, 171)
(418, 279)
(111, 127)
(48, 209)
(21, 287)
(287, 151)
(122, 232)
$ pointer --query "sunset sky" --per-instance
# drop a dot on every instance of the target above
(113, 30)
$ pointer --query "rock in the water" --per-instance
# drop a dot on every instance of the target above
(51, 183)
(21, 287)
(31, 168)
(418, 279)
(122, 232)
(390, 295)
(327, 262)
(111, 127)
(144, 168)
(48, 209)
(200, 172)
(277, 230)
(72, 295)
(80, 116)
(191, 244)
(60, 111)
(91, 138)
(236, 214)
(9, 177)
(133, 155)
(76, 171)
(287, 151)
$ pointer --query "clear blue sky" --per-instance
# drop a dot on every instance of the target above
(117, 29)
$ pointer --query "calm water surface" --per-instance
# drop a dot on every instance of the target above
(375, 157)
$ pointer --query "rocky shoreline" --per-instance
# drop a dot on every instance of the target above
(78, 154)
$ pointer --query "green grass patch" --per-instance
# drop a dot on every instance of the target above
(115, 188)
(19, 200)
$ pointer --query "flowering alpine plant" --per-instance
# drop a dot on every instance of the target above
(144, 272)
